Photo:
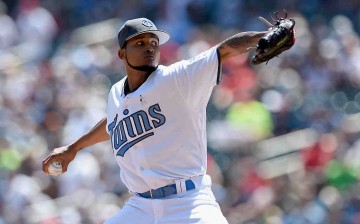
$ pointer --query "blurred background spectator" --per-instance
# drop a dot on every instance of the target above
(283, 137)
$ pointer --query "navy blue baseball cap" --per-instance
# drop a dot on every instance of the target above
(134, 27)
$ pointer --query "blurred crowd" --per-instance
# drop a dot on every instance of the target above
(282, 136)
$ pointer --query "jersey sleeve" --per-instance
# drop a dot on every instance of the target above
(110, 106)
(197, 77)
(113, 103)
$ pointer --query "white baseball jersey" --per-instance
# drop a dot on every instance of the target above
(158, 132)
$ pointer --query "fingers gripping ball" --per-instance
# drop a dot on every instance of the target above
(279, 38)
(55, 168)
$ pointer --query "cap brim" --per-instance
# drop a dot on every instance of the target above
(162, 35)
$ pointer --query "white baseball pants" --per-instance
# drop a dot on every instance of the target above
(194, 206)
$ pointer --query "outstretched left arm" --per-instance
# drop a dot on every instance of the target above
(239, 44)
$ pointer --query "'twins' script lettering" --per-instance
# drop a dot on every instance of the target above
(138, 126)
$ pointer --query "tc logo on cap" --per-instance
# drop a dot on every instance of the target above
(147, 23)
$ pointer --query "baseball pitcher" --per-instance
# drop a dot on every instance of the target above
(156, 120)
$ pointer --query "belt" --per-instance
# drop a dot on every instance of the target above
(166, 191)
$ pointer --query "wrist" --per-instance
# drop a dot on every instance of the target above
(74, 147)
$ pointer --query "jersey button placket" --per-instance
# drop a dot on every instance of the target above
(126, 102)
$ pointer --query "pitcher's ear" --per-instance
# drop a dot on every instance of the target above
(122, 53)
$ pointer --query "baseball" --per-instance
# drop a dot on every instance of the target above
(55, 168)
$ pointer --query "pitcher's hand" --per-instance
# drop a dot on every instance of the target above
(64, 155)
